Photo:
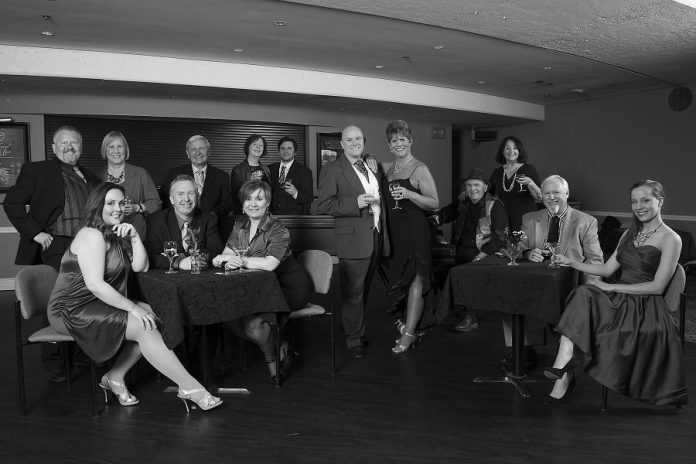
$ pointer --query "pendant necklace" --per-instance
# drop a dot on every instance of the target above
(397, 169)
(512, 183)
(641, 236)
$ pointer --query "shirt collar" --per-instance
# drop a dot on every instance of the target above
(287, 165)
(203, 169)
(560, 216)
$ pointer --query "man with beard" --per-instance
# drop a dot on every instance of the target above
(56, 192)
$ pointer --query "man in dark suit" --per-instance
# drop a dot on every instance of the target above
(213, 184)
(349, 191)
(291, 183)
(175, 222)
(56, 191)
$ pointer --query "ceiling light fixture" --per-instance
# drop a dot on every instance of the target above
(46, 17)
(280, 23)
(47, 33)
(547, 68)
(438, 47)
(379, 66)
(6, 119)
(482, 82)
(691, 3)
(238, 50)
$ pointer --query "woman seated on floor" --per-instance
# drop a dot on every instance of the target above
(89, 301)
(624, 329)
(267, 244)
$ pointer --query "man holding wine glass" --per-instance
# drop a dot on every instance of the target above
(186, 225)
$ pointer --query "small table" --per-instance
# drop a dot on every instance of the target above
(528, 289)
(210, 297)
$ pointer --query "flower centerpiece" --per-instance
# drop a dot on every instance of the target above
(193, 250)
(513, 244)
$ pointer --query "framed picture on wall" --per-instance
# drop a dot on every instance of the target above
(14, 152)
(328, 149)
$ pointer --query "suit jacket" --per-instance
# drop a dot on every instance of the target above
(282, 202)
(456, 212)
(579, 239)
(163, 226)
(339, 187)
(39, 185)
(216, 189)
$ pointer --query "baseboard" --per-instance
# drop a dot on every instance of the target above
(7, 284)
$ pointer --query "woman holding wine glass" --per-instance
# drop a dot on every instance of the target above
(515, 182)
(413, 194)
(89, 301)
(251, 168)
(260, 241)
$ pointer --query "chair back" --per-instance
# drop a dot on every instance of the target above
(33, 287)
(319, 266)
(674, 292)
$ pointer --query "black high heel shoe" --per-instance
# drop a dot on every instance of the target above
(551, 401)
(554, 373)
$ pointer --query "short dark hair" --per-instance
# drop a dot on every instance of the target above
(251, 186)
(521, 158)
(253, 138)
(398, 127)
(95, 206)
(287, 139)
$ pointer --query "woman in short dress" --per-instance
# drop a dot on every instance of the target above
(251, 168)
(89, 301)
(623, 331)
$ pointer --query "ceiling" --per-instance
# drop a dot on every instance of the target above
(538, 51)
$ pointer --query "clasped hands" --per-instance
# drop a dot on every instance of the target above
(229, 261)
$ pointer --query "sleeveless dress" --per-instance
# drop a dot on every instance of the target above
(517, 203)
(410, 239)
(98, 328)
(630, 342)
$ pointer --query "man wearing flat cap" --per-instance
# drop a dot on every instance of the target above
(479, 217)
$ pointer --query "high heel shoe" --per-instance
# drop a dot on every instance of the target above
(287, 358)
(401, 326)
(205, 402)
(119, 390)
(401, 347)
(554, 373)
(551, 401)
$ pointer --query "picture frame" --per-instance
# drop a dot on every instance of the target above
(14, 152)
(328, 149)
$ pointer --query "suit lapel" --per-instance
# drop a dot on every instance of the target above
(567, 232)
(350, 174)
(540, 230)
(173, 229)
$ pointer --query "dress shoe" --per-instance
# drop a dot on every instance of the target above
(357, 352)
(467, 324)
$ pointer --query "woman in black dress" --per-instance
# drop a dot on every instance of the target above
(89, 301)
(410, 269)
(267, 244)
(516, 182)
(624, 329)
(251, 168)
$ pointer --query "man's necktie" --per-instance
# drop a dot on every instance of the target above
(554, 230)
(185, 239)
(79, 173)
(198, 177)
(281, 179)
(363, 170)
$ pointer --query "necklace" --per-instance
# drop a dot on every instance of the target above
(641, 236)
(512, 181)
(403, 165)
(116, 179)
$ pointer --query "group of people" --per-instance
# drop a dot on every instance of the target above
(381, 215)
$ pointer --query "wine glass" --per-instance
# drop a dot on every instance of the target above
(520, 178)
(239, 250)
(393, 186)
(170, 253)
(513, 252)
(553, 248)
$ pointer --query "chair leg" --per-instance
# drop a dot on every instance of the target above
(333, 343)
(68, 364)
(604, 398)
(93, 387)
(20, 359)
(277, 360)
(245, 354)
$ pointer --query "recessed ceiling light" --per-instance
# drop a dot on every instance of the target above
(547, 95)
(504, 18)
(579, 91)
(238, 50)
(482, 82)
(280, 23)
(438, 47)
(48, 33)
(46, 17)
(547, 68)
(379, 66)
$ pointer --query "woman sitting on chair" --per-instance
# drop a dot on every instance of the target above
(89, 301)
(260, 241)
(624, 329)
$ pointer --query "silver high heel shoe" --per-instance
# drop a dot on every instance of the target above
(205, 402)
(401, 348)
(119, 390)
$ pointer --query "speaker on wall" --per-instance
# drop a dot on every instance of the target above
(484, 134)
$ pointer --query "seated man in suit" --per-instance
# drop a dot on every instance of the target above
(574, 231)
(291, 183)
(182, 219)
(213, 184)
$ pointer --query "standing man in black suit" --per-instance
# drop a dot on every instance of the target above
(213, 184)
(291, 183)
(56, 191)
(349, 191)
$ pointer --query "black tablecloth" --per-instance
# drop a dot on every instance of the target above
(207, 298)
(532, 289)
